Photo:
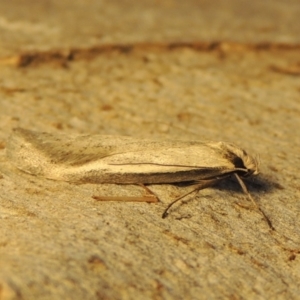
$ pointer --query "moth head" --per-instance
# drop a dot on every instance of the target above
(251, 163)
(242, 160)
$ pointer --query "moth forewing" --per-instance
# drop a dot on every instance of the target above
(126, 160)
(115, 159)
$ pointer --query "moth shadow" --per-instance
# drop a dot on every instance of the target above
(255, 185)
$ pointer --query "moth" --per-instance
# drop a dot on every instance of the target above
(127, 160)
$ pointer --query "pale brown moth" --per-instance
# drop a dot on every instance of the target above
(126, 160)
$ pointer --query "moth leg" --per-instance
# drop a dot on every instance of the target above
(245, 190)
(146, 198)
(150, 197)
(149, 192)
(204, 184)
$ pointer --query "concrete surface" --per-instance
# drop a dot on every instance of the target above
(196, 70)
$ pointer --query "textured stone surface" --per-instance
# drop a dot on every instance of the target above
(48, 24)
(57, 242)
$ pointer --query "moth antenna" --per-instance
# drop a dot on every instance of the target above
(245, 190)
(166, 211)
(202, 185)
